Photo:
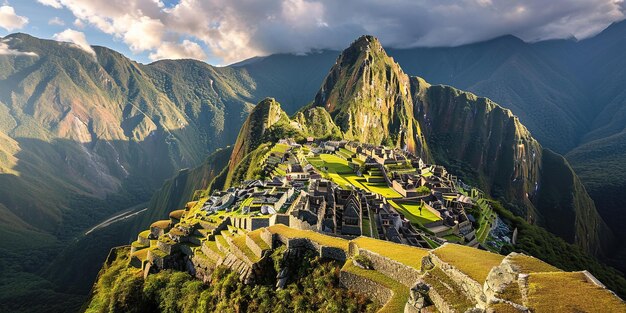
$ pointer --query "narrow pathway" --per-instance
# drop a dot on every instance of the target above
(119, 217)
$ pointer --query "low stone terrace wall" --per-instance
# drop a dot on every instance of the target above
(362, 285)
(404, 274)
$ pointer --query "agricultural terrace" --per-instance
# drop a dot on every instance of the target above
(529, 264)
(255, 235)
(473, 262)
(407, 255)
(569, 292)
(486, 221)
(280, 148)
(339, 172)
(400, 292)
(412, 212)
(315, 236)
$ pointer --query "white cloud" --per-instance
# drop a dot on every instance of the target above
(6, 50)
(9, 20)
(52, 3)
(75, 37)
(185, 50)
(56, 21)
(237, 29)
(78, 23)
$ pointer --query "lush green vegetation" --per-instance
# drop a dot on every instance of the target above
(313, 286)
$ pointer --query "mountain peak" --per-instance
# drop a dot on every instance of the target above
(368, 97)
(365, 40)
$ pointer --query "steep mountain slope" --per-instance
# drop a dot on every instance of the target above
(479, 140)
(568, 93)
(367, 94)
(86, 135)
(369, 97)
(94, 122)
(511, 72)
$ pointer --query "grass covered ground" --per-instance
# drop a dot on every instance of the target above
(256, 237)
(407, 255)
(569, 292)
(343, 175)
(486, 221)
(413, 214)
(528, 264)
(315, 236)
(473, 262)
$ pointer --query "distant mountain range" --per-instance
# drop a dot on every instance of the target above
(82, 138)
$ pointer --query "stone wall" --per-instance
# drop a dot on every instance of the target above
(203, 267)
(258, 222)
(305, 243)
(439, 302)
(268, 237)
(333, 253)
(279, 219)
(404, 274)
(470, 287)
(237, 265)
(143, 240)
(209, 252)
(362, 285)
(155, 259)
(165, 247)
(254, 246)
(297, 223)
(237, 252)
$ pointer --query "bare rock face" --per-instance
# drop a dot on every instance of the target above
(427, 264)
(368, 97)
(499, 278)
(418, 297)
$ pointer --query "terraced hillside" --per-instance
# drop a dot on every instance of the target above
(396, 277)
(490, 148)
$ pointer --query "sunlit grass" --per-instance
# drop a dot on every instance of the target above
(412, 213)
(473, 262)
(407, 255)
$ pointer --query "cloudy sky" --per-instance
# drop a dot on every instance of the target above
(226, 31)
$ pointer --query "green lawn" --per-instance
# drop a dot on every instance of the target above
(412, 213)
(280, 148)
(340, 173)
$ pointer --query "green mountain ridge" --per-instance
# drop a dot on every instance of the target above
(484, 143)
(64, 114)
